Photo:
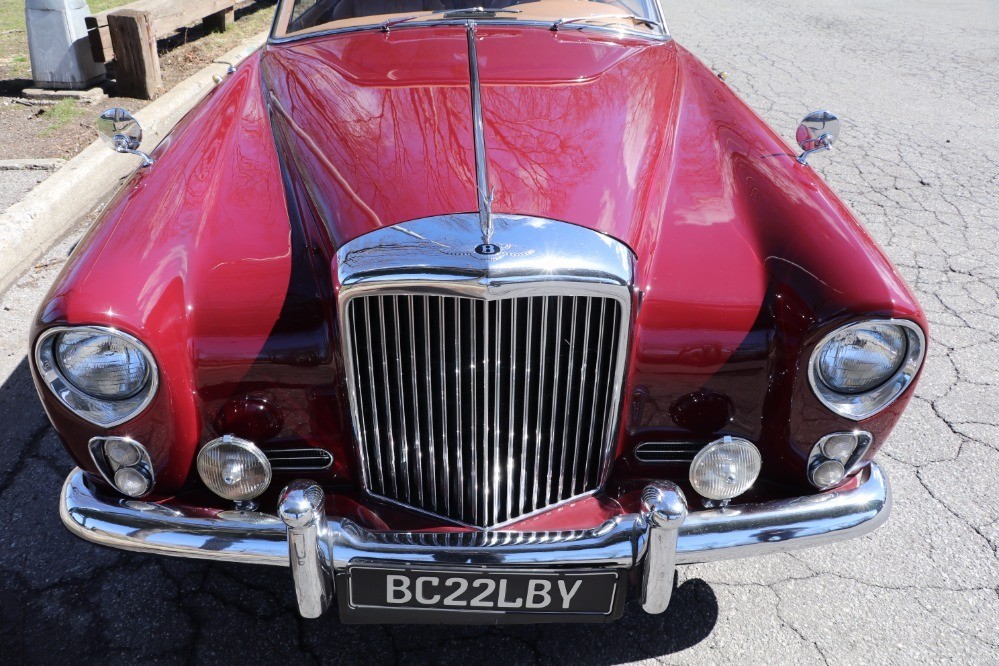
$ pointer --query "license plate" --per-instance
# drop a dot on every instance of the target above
(417, 591)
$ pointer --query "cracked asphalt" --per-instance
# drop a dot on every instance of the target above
(916, 86)
(14, 184)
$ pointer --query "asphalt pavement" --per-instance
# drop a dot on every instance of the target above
(15, 183)
(916, 85)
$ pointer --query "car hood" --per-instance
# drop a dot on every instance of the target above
(379, 127)
(632, 138)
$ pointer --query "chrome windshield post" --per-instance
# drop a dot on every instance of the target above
(302, 508)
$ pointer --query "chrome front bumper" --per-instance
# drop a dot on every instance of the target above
(320, 548)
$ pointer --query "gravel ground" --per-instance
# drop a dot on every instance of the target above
(916, 86)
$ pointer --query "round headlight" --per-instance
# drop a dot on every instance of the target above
(860, 358)
(861, 368)
(103, 375)
(101, 364)
(725, 468)
(234, 468)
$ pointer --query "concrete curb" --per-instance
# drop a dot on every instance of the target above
(47, 212)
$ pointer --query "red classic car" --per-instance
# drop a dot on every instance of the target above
(475, 314)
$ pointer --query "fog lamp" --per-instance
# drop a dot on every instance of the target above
(839, 446)
(845, 449)
(124, 463)
(234, 468)
(131, 481)
(725, 468)
(828, 473)
(121, 452)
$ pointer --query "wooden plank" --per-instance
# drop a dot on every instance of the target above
(100, 37)
(166, 15)
(169, 15)
(138, 67)
(220, 21)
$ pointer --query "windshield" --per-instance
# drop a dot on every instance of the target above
(302, 17)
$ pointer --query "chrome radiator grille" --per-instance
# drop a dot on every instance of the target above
(483, 410)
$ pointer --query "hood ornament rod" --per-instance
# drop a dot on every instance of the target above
(485, 195)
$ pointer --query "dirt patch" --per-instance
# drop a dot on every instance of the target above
(33, 130)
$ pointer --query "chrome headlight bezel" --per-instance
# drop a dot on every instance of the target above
(859, 406)
(96, 410)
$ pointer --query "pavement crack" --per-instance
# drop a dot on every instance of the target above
(29, 449)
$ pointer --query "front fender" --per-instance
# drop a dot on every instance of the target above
(194, 258)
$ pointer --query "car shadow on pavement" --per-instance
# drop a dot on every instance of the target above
(63, 599)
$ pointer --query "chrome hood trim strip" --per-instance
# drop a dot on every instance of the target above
(485, 195)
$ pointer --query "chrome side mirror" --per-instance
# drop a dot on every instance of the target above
(817, 131)
(121, 131)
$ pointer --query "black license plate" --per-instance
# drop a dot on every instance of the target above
(416, 591)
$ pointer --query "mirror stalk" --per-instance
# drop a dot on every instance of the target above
(147, 161)
(121, 145)
(824, 144)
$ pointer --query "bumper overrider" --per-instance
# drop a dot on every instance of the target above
(477, 577)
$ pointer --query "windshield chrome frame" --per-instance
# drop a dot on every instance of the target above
(274, 38)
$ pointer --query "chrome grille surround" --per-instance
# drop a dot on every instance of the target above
(391, 282)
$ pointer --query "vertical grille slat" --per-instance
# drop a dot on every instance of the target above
(400, 395)
(459, 368)
(525, 437)
(376, 435)
(443, 376)
(582, 394)
(417, 411)
(568, 403)
(510, 425)
(542, 362)
(493, 482)
(557, 355)
(428, 386)
(383, 336)
(596, 380)
(472, 363)
(509, 416)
